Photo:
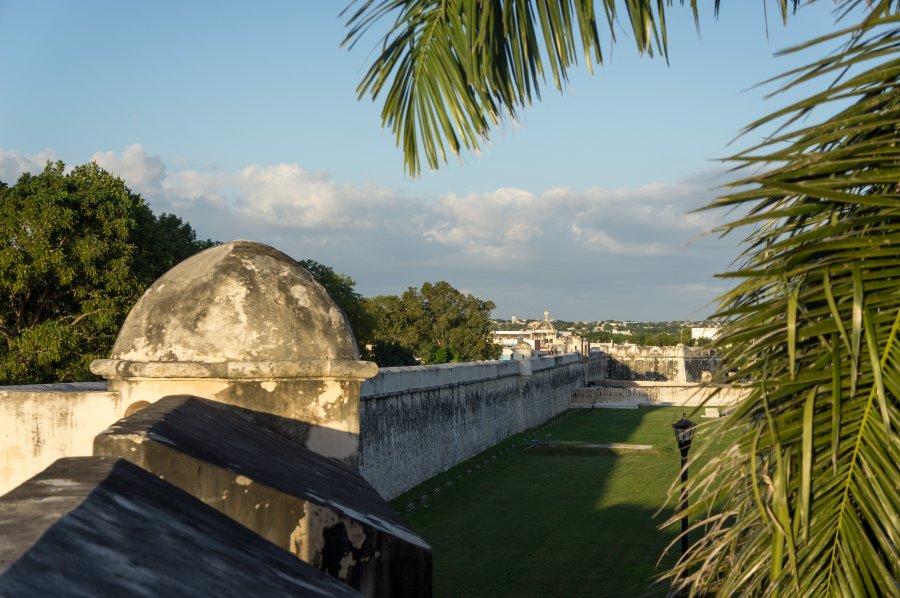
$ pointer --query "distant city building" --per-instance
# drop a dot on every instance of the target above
(543, 333)
(542, 336)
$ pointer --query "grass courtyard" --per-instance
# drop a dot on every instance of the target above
(563, 520)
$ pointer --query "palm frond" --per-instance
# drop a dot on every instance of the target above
(812, 487)
(448, 71)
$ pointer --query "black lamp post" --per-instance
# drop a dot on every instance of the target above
(684, 434)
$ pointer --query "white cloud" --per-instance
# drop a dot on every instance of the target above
(281, 194)
(184, 187)
(492, 221)
(598, 252)
(140, 172)
(15, 164)
(649, 220)
(288, 194)
(699, 289)
(602, 242)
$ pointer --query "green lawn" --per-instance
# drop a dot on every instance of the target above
(566, 520)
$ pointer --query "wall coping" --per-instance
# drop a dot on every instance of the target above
(340, 369)
(57, 387)
(657, 384)
(408, 379)
(374, 396)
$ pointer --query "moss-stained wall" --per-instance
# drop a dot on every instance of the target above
(416, 422)
(607, 393)
(40, 423)
(657, 364)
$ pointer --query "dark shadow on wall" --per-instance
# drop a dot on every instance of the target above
(616, 370)
(554, 517)
(651, 368)
(705, 361)
(269, 483)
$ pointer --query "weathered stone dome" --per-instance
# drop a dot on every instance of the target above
(238, 302)
(522, 350)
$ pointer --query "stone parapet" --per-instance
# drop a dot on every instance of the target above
(318, 509)
(396, 380)
(417, 422)
(236, 370)
(40, 423)
(656, 364)
(104, 527)
(62, 420)
(244, 324)
(627, 393)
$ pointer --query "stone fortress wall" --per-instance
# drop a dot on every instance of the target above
(677, 364)
(41, 423)
(237, 380)
(235, 399)
(415, 422)
(629, 376)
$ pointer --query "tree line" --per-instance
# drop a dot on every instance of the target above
(79, 248)
(432, 324)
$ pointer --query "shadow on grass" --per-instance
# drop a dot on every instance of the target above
(523, 521)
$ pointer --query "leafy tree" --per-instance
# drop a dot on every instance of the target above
(805, 503)
(700, 342)
(391, 354)
(664, 340)
(77, 250)
(400, 323)
(343, 290)
(436, 324)
(161, 242)
(605, 336)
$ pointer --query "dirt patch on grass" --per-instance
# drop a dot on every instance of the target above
(574, 447)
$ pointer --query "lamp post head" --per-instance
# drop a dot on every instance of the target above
(684, 432)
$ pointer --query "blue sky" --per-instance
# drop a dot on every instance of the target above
(242, 118)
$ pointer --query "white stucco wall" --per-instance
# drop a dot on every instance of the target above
(414, 422)
(43, 422)
(612, 392)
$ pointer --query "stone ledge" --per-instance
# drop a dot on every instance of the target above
(236, 370)
(89, 387)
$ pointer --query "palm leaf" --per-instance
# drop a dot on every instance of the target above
(812, 487)
(450, 70)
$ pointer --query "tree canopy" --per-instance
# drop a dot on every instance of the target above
(434, 324)
(806, 501)
(342, 289)
(77, 249)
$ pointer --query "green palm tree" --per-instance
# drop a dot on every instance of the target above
(806, 501)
